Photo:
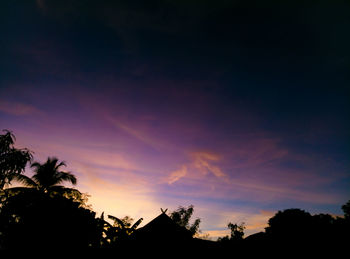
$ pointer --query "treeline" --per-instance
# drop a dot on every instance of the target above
(295, 231)
(44, 213)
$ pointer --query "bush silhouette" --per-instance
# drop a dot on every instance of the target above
(35, 220)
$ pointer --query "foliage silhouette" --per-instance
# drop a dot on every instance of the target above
(237, 233)
(346, 210)
(121, 230)
(297, 230)
(39, 220)
(12, 160)
(47, 175)
(182, 217)
(289, 224)
(47, 179)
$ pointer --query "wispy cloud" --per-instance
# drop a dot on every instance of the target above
(177, 174)
(203, 162)
(19, 109)
(252, 170)
(135, 132)
(200, 165)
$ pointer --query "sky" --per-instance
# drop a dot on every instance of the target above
(240, 108)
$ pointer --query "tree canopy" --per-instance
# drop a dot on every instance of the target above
(182, 216)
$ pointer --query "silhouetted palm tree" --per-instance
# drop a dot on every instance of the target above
(48, 178)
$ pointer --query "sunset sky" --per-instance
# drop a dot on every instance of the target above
(240, 108)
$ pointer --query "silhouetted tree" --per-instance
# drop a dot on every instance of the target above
(182, 216)
(45, 213)
(237, 233)
(47, 178)
(47, 175)
(291, 230)
(323, 228)
(290, 223)
(297, 230)
(346, 210)
(12, 160)
(342, 226)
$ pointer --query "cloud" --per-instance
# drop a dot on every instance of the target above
(73, 153)
(200, 165)
(177, 175)
(203, 162)
(18, 109)
(135, 132)
(255, 176)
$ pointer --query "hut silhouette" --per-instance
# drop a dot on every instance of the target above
(164, 234)
(163, 229)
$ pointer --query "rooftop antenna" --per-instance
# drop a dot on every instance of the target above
(163, 211)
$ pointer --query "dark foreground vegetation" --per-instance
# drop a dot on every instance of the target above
(43, 214)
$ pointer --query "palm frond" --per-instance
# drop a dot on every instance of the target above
(48, 174)
(52, 163)
(66, 176)
(117, 221)
(60, 164)
(25, 180)
(136, 224)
